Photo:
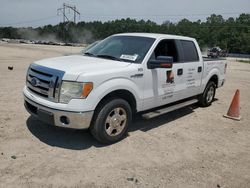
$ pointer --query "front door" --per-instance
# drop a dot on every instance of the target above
(164, 85)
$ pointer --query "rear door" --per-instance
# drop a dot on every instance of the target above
(192, 68)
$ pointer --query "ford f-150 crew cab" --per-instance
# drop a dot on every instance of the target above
(118, 77)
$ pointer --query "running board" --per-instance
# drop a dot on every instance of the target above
(159, 112)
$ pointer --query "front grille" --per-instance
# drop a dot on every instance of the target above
(44, 81)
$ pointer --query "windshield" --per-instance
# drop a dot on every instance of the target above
(90, 46)
(122, 48)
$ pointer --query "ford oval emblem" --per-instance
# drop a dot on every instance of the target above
(34, 81)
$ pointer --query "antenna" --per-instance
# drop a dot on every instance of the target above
(68, 7)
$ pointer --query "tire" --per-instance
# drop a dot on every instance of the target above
(207, 97)
(111, 121)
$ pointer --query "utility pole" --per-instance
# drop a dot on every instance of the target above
(68, 7)
(63, 13)
(75, 11)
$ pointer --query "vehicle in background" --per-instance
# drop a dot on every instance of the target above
(216, 52)
(223, 53)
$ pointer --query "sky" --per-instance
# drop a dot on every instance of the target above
(35, 13)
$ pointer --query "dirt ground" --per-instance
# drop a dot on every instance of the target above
(191, 147)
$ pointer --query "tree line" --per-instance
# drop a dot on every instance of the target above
(232, 34)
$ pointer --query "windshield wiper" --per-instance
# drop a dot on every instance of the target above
(89, 54)
(109, 57)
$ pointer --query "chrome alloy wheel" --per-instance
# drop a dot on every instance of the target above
(210, 94)
(116, 121)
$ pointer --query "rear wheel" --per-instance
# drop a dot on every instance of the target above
(207, 97)
(111, 121)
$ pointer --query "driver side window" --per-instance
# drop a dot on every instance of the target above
(166, 48)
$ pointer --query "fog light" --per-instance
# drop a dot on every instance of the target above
(64, 120)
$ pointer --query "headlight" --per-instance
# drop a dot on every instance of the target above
(74, 90)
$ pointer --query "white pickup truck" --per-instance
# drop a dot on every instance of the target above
(118, 77)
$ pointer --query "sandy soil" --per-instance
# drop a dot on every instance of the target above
(192, 147)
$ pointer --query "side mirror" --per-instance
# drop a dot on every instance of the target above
(161, 62)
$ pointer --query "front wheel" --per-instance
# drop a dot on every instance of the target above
(207, 97)
(111, 121)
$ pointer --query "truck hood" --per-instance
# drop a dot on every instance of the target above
(75, 65)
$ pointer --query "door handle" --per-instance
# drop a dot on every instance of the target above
(179, 72)
(199, 69)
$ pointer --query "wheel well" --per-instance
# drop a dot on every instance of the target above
(123, 94)
(214, 79)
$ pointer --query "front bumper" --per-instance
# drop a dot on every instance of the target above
(60, 118)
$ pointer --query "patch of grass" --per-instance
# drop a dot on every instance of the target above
(244, 61)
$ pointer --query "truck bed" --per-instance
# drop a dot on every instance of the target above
(213, 59)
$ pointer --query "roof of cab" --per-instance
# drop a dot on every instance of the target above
(156, 36)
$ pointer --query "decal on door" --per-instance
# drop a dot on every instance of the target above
(190, 79)
(170, 77)
(168, 87)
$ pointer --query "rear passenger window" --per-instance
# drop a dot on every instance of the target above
(189, 51)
